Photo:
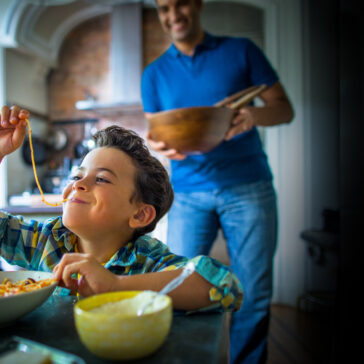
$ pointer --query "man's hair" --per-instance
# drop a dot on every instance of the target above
(152, 185)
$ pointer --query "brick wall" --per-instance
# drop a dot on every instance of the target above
(155, 41)
(83, 71)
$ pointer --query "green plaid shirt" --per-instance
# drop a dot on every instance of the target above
(39, 246)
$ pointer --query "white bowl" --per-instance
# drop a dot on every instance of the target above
(15, 306)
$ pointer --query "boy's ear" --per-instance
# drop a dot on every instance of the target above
(143, 217)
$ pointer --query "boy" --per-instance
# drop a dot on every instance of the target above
(117, 195)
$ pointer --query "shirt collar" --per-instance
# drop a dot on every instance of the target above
(61, 233)
(125, 256)
(209, 42)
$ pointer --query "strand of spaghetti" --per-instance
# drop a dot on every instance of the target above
(35, 171)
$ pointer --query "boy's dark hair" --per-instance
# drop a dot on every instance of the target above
(152, 185)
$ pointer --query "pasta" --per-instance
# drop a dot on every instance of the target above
(35, 171)
(9, 288)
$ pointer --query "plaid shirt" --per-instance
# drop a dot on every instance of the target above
(39, 246)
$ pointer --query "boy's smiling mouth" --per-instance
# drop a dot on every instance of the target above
(77, 200)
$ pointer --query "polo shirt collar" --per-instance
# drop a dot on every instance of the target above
(209, 42)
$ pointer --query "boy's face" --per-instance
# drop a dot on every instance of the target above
(180, 19)
(100, 194)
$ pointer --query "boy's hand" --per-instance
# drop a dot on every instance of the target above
(12, 129)
(93, 277)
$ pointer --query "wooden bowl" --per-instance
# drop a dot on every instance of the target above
(191, 129)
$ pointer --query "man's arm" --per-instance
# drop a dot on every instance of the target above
(277, 110)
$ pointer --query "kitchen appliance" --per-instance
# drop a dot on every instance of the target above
(40, 151)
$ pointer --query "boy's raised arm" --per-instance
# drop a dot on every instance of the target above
(12, 129)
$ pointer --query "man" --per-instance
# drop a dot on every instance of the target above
(229, 187)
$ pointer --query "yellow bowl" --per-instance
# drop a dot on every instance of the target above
(117, 336)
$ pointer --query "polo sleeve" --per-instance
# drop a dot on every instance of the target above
(149, 92)
(18, 240)
(260, 69)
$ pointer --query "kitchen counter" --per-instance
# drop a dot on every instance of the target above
(27, 210)
(32, 205)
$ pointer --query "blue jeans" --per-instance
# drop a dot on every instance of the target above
(247, 215)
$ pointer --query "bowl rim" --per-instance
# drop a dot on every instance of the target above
(79, 310)
(153, 115)
(51, 286)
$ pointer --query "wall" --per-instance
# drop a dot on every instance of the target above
(321, 133)
(25, 86)
(351, 70)
(321, 101)
(83, 69)
(234, 19)
(83, 72)
(22, 82)
(26, 81)
(155, 41)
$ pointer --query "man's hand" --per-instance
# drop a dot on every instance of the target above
(92, 279)
(12, 129)
(277, 110)
(241, 123)
(161, 148)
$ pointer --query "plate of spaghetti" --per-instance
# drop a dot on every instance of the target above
(23, 291)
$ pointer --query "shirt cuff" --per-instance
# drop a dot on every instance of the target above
(227, 289)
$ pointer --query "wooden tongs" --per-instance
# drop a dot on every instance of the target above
(241, 98)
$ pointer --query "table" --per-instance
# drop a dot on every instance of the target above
(197, 338)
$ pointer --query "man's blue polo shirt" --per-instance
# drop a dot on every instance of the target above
(220, 66)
